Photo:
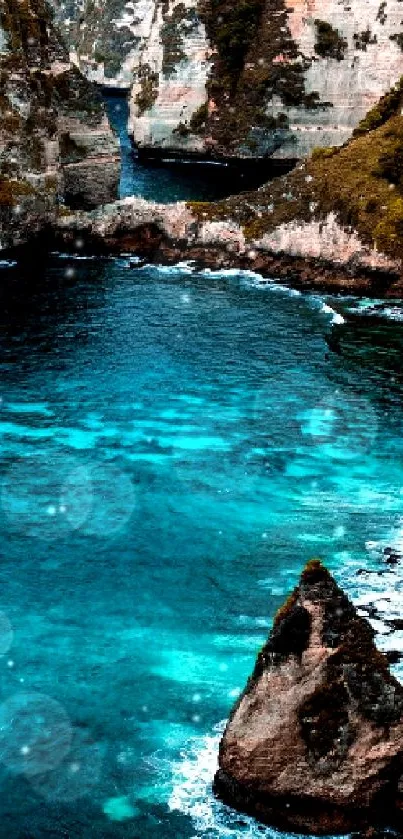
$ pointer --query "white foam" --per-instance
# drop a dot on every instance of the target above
(336, 316)
(8, 263)
(192, 778)
(192, 794)
(378, 308)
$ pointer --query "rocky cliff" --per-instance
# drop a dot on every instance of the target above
(56, 146)
(262, 77)
(244, 78)
(105, 36)
(315, 742)
(334, 222)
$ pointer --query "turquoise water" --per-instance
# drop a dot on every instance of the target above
(175, 445)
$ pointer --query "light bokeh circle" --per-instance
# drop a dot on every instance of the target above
(49, 497)
(76, 776)
(35, 733)
(345, 420)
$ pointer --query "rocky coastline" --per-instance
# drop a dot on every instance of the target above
(334, 222)
(315, 742)
(57, 149)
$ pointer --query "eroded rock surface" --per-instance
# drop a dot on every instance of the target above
(262, 77)
(335, 222)
(56, 145)
(315, 742)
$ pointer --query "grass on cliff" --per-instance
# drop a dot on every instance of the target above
(362, 182)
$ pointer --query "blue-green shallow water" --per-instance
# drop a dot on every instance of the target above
(174, 447)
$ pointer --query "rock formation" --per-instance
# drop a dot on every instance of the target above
(105, 38)
(335, 222)
(239, 78)
(263, 77)
(315, 742)
(56, 145)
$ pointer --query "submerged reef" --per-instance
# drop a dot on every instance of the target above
(315, 742)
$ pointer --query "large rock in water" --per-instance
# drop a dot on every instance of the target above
(315, 742)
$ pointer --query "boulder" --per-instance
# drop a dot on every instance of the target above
(315, 742)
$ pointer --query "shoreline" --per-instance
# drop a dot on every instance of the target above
(295, 272)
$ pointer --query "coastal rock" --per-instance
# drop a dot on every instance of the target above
(275, 78)
(56, 146)
(315, 742)
(334, 223)
(250, 78)
(105, 39)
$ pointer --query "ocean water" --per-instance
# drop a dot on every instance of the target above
(174, 446)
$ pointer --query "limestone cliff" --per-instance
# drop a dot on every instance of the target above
(246, 78)
(262, 77)
(105, 36)
(56, 145)
(315, 742)
(334, 222)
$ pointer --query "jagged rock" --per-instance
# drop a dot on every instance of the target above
(56, 145)
(315, 742)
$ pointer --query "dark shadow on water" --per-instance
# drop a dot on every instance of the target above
(175, 179)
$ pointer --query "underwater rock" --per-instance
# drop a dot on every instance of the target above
(315, 742)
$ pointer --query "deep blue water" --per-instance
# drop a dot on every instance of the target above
(183, 181)
(174, 446)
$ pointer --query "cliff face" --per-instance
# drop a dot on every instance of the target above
(105, 36)
(315, 743)
(242, 78)
(335, 221)
(56, 145)
(262, 77)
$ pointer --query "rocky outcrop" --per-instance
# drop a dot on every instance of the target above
(315, 742)
(249, 78)
(105, 38)
(56, 146)
(262, 77)
(335, 222)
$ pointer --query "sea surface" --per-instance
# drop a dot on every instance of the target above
(174, 446)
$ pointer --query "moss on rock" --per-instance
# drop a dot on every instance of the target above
(255, 58)
(148, 93)
(360, 182)
(329, 43)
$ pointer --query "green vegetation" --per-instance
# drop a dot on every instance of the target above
(363, 39)
(148, 92)
(360, 182)
(12, 191)
(255, 59)
(329, 43)
(175, 26)
(199, 118)
(387, 107)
